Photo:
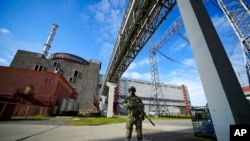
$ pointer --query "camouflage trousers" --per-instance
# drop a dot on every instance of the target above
(138, 126)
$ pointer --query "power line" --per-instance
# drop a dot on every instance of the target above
(173, 60)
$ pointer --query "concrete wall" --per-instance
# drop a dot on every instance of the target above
(85, 82)
(173, 95)
(47, 89)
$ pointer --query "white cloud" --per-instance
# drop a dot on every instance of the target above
(108, 16)
(9, 46)
(232, 46)
(118, 3)
(106, 50)
(137, 75)
(4, 31)
(179, 45)
(144, 61)
(220, 22)
(99, 17)
(189, 62)
(138, 64)
(3, 62)
(132, 66)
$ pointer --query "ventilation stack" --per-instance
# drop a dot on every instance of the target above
(47, 45)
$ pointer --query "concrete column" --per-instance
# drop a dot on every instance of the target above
(226, 101)
(102, 105)
(111, 93)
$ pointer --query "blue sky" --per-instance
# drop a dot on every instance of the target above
(88, 28)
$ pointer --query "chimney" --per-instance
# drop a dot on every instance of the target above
(47, 45)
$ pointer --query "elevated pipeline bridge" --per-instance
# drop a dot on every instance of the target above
(141, 20)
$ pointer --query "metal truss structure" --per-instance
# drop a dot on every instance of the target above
(157, 103)
(237, 13)
(141, 20)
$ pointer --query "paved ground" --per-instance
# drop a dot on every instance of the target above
(165, 130)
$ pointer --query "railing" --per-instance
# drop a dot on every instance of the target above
(8, 110)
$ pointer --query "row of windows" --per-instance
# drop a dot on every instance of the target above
(75, 75)
(39, 68)
(57, 70)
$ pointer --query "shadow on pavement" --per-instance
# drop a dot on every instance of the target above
(180, 135)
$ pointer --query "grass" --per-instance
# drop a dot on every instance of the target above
(93, 121)
(169, 117)
(96, 121)
(37, 117)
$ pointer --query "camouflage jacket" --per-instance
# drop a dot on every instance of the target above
(134, 105)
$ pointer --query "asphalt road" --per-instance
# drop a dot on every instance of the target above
(165, 130)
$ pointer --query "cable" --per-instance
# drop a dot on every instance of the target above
(171, 59)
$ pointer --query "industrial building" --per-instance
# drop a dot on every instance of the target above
(61, 82)
(22, 88)
(82, 83)
(82, 75)
(175, 100)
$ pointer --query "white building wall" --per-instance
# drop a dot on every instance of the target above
(172, 94)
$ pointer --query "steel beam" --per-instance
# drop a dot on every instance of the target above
(141, 20)
(224, 95)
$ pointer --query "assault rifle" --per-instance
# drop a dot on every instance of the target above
(146, 116)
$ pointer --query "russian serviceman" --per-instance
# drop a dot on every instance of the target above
(136, 113)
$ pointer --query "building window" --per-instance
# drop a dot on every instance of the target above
(57, 70)
(71, 79)
(39, 67)
(36, 67)
(55, 64)
(76, 73)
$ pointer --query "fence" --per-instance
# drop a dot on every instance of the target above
(7, 110)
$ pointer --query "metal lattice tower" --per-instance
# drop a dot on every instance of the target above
(238, 14)
(157, 102)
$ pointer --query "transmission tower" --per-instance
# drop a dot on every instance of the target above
(238, 14)
(157, 102)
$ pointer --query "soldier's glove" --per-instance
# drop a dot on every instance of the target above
(142, 116)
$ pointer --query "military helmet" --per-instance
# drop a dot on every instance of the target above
(132, 88)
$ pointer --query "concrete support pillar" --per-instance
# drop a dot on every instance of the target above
(102, 105)
(110, 112)
(226, 101)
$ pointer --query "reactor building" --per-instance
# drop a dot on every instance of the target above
(175, 100)
(81, 74)
(62, 81)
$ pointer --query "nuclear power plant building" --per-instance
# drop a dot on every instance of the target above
(173, 99)
(81, 74)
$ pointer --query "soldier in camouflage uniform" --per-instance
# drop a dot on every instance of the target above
(135, 114)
